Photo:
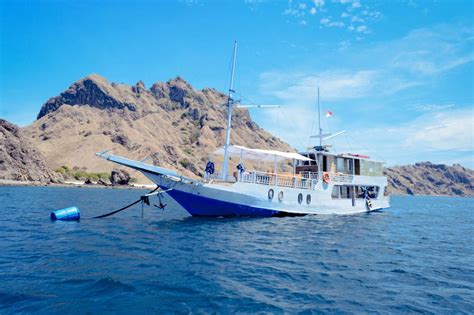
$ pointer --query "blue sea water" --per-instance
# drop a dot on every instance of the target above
(417, 256)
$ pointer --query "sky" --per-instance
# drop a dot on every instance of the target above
(398, 76)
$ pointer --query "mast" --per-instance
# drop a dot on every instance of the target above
(230, 105)
(319, 123)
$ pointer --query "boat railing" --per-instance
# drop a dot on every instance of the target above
(341, 177)
(303, 180)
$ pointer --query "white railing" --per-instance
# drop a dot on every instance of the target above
(341, 178)
(304, 180)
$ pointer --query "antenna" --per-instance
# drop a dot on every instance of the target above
(319, 123)
(230, 105)
(326, 136)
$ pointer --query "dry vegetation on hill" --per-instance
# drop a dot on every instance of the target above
(172, 125)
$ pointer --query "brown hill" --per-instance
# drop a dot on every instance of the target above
(430, 179)
(19, 159)
(171, 123)
(176, 126)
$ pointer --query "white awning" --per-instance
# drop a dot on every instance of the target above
(261, 155)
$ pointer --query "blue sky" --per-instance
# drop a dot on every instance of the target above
(398, 75)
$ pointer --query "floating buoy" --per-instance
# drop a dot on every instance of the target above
(66, 214)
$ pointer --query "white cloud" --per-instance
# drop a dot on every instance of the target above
(335, 85)
(427, 52)
(336, 24)
(328, 23)
(394, 66)
(443, 137)
(296, 12)
(362, 29)
(355, 4)
(446, 137)
(440, 132)
(357, 19)
(299, 9)
(344, 44)
(325, 21)
(431, 107)
(318, 3)
(449, 130)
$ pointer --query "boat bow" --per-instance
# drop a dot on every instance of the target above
(144, 167)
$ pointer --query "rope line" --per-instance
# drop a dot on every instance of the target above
(123, 208)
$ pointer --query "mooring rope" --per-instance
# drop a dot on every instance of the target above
(126, 207)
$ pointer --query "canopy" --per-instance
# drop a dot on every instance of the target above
(261, 155)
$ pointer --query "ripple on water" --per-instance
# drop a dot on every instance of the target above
(414, 257)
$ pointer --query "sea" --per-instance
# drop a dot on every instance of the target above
(416, 257)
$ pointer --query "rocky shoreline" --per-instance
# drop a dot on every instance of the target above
(7, 182)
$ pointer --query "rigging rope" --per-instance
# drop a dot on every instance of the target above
(128, 206)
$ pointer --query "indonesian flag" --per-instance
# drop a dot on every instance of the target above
(328, 114)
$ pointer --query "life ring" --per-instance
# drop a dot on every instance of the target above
(326, 178)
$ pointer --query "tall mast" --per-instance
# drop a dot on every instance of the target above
(230, 105)
(319, 123)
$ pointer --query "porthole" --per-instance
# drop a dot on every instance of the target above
(271, 193)
(280, 196)
(308, 199)
(300, 198)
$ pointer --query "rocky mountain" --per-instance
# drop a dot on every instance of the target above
(430, 179)
(176, 126)
(171, 124)
(19, 159)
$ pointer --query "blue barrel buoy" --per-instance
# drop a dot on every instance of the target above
(66, 214)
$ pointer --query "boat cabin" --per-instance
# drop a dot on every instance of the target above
(346, 163)
(301, 170)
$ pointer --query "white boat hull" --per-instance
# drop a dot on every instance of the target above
(252, 198)
(248, 199)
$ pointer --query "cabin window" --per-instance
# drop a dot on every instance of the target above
(340, 168)
(371, 168)
(357, 167)
(280, 196)
(345, 192)
(336, 192)
(350, 165)
(271, 193)
(308, 199)
(300, 198)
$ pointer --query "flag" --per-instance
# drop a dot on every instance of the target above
(328, 114)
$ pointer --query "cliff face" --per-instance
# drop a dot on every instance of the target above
(172, 124)
(176, 126)
(430, 179)
(19, 159)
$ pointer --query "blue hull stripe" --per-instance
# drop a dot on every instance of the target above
(202, 206)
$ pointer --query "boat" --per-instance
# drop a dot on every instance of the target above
(316, 181)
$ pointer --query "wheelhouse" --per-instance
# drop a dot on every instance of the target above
(346, 163)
